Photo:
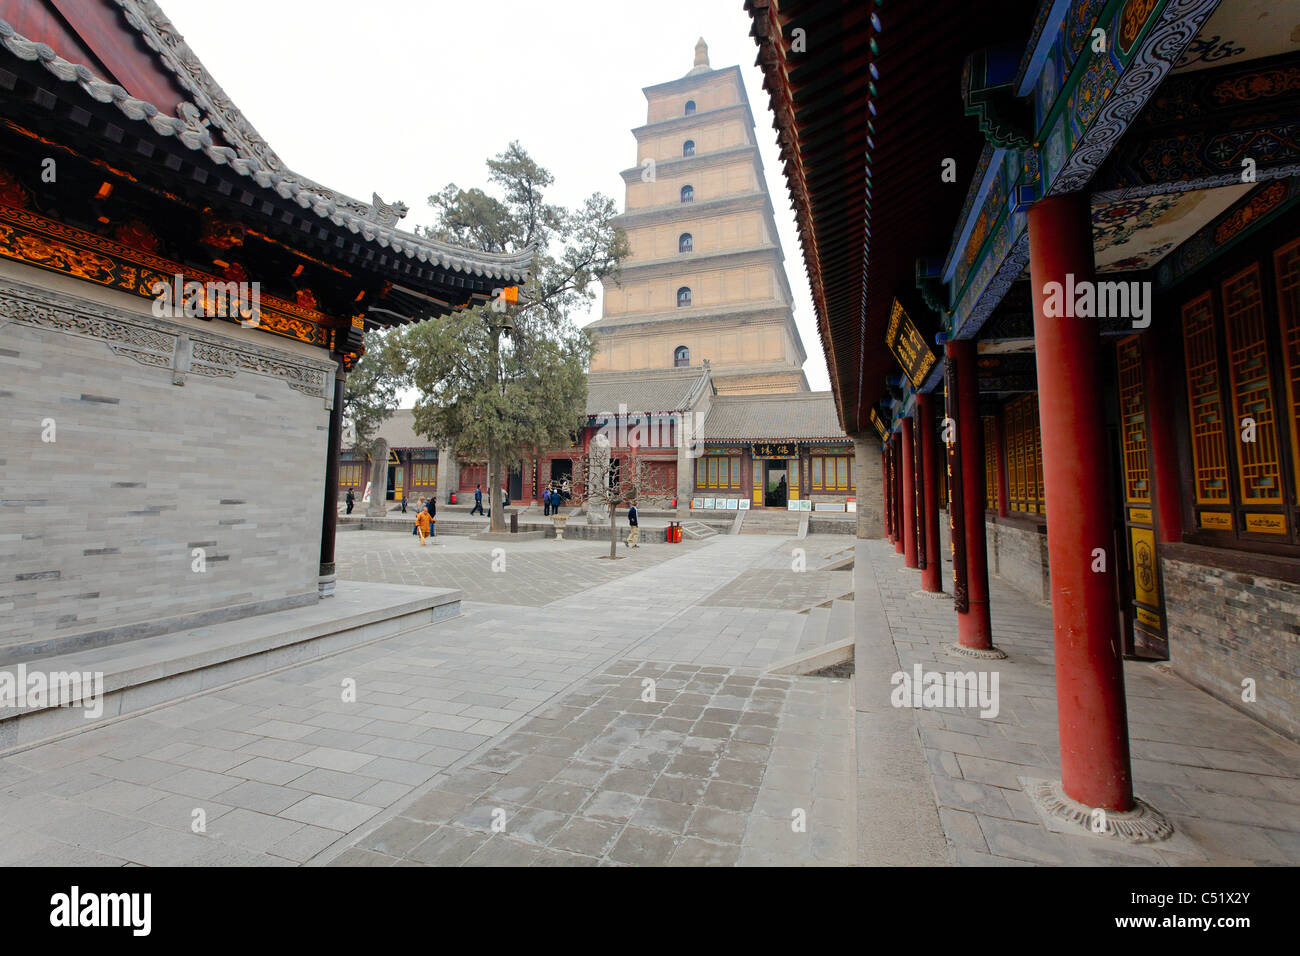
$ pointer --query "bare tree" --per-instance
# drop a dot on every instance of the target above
(607, 482)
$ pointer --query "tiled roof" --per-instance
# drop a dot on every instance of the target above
(250, 155)
(798, 416)
(662, 390)
(399, 431)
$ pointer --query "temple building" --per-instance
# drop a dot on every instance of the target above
(705, 279)
(180, 310)
(1060, 289)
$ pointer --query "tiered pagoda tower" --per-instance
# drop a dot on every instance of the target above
(705, 279)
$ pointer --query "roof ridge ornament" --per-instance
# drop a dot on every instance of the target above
(384, 213)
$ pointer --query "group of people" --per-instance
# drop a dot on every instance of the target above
(553, 499)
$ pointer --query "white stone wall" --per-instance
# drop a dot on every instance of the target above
(98, 527)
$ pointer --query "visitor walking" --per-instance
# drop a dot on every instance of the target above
(423, 522)
(415, 528)
(633, 529)
(546, 501)
(432, 507)
(478, 500)
(351, 500)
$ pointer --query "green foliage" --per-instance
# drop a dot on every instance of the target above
(373, 386)
(503, 397)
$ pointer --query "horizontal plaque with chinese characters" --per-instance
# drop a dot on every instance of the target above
(908, 346)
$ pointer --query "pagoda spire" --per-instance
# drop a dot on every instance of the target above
(701, 58)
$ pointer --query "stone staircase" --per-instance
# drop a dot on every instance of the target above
(825, 641)
(697, 530)
(785, 523)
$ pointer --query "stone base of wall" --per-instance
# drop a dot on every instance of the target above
(1019, 556)
(1227, 627)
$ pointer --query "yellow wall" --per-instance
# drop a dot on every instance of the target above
(713, 182)
(741, 230)
(721, 345)
(710, 94)
(711, 289)
(708, 139)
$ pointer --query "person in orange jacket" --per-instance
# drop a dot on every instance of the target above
(423, 522)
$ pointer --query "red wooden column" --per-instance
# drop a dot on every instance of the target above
(896, 443)
(974, 626)
(932, 574)
(1095, 767)
(1000, 436)
(884, 486)
(908, 481)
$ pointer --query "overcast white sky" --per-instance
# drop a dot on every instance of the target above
(401, 97)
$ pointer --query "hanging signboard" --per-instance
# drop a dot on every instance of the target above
(908, 345)
(879, 426)
(781, 450)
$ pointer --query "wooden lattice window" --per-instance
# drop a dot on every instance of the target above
(1024, 456)
(831, 473)
(1287, 263)
(349, 475)
(1133, 422)
(1259, 461)
(424, 475)
(717, 472)
(1205, 402)
(990, 464)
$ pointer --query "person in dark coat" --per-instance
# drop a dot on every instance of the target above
(478, 500)
(351, 500)
(546, 502)
(633, 529)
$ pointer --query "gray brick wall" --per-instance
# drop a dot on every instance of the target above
(97, 528)
(1225, 627)
(1019, 557)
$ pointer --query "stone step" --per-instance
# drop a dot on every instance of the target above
(840, 627)
(697, 530)
(142, 673)
(815, 630)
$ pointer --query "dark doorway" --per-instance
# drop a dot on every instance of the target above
(515, 484)
(777, 489)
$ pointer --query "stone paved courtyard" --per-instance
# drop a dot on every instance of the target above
(522, 733)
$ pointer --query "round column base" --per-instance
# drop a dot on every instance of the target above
(944, 595)
(325, 585)
(1143, 824)
(979, 653)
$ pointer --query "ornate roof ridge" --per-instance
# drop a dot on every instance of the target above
(249, 155)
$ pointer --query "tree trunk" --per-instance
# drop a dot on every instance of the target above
(613, 535)
(497, 522)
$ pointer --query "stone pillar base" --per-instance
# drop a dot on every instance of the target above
(325, 585)
(979, 653)
(1143, 824)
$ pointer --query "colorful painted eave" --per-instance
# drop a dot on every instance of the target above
(1083, 97)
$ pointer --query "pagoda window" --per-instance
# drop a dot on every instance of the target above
(688, 148)
(690, 107)
(683, 297)
(682, 356)
(685, 243)
(688, 194)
